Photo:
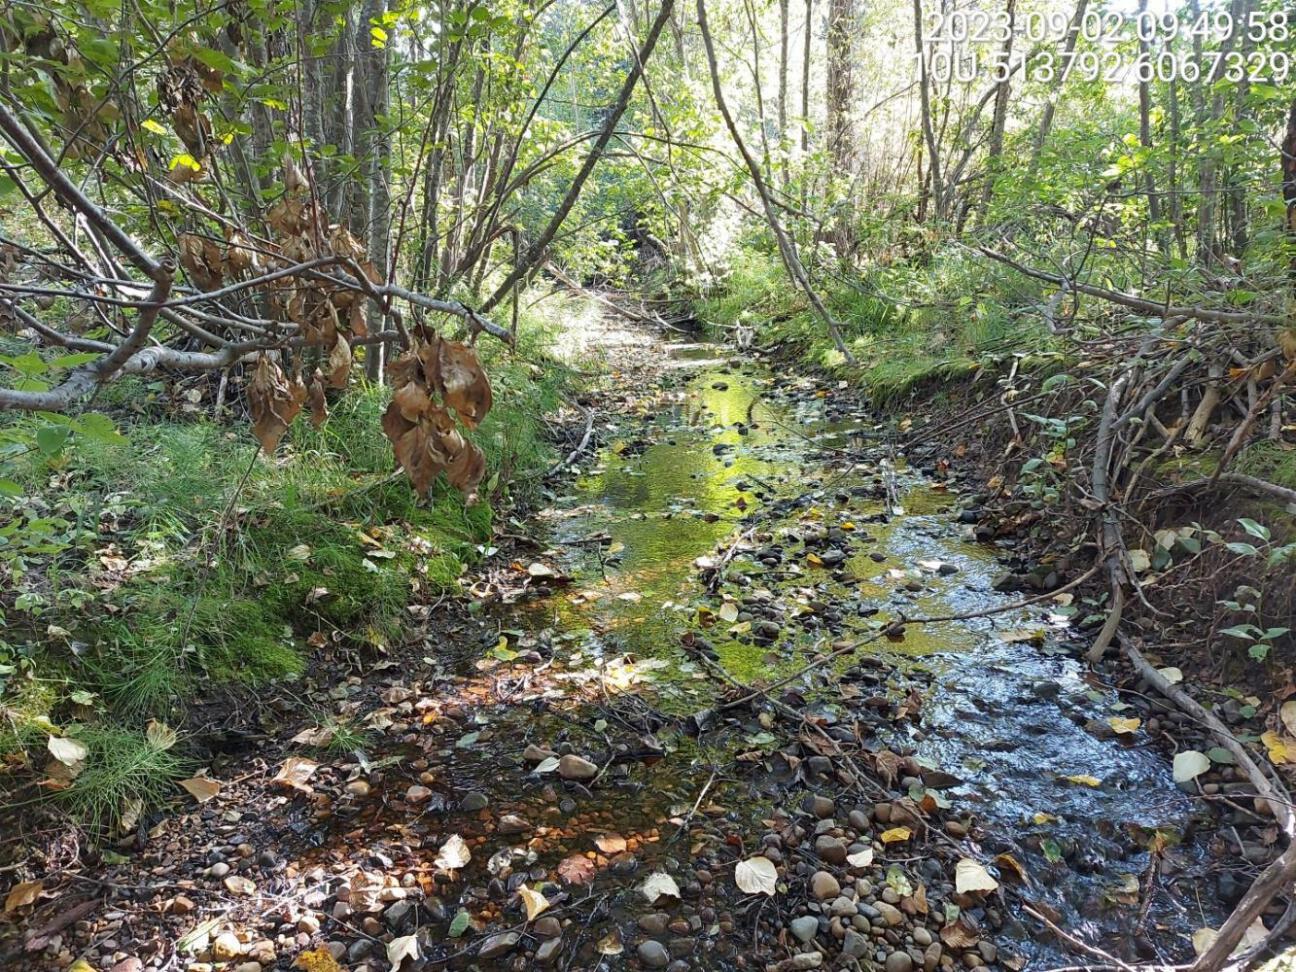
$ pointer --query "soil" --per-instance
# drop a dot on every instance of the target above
(696, 714)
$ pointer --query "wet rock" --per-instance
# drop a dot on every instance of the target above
(922, 937)
(418, 794)
(890, 913)
(932, 956)
(655, 923)
(653, 954)
(1046, 689)
(805, 928)
(821, 807)
(547, 926)
(899, 962)
(498, 945)
(358, 788)
(841, 907)
(511, 823)
(830, 849)
(572, 767)
(474, 801)
(548, 951)
(854, 944)
(537, 754)
(824, 886)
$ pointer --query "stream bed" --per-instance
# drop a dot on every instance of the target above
(732, 529)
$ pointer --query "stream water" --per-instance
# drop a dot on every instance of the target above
(839, 541)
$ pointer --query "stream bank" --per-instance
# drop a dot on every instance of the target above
(580, 730)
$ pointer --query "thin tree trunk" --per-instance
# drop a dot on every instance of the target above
(1145, 140)
(787, 249)
(1050, 105)
(924, 97)
(1002, 90)
(536, 251)
(783, 90)
(840, 100)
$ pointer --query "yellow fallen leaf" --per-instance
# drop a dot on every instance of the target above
(896, 834)
(317, 960)
(1084, 779)
(1042, 818)
(21, 895)
(1281, 750)
(814, 560)
(535, 901)
(201, 788)
(1124, 726)
(295, 771)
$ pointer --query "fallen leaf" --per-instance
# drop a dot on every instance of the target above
(237, 884)
(454, 854)
(318, 736)
(1011, 867)
(1140, 560)
(659, 884)
(756, 875)
(896, 835)
(728, 612)
(610, 843)
(159, 735)
(400, 949)
(610, 944)
(1084, 779)
(1203, 939)
(67, 751)
(535, 901)
(295, 771)
(861, 858)
(22, 894)
(1124, 726)
(1280, 750)
(971, 876)
(1288, 715)
(1190, 764)
(576, 869)
(1171, 674)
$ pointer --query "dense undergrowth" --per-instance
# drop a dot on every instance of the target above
(909, 324)
(171, 563)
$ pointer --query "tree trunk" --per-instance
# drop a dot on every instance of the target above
(786, 247)
(929, 134)
(840, 101)
(1050, 106)
(783, 90)
(536, 251)
(1002, 90)
(1145, 140)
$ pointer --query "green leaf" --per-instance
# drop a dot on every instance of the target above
(1052, 850)
(460, 923)
(100, 428)
(51, 439)
(1258, 530)
(1055, 381)
(1241, 548)
(1259, 651)
(149, 125)
(9, 488)
(64, 362)
(378, 37)
(1244, 631)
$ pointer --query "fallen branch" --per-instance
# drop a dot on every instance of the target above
(1253, 483)
(1279, 875)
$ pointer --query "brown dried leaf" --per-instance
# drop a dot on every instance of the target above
(339, 363)
(576, 869)
(466, 470)
(21, 895)
(412, 401)
(318, 403)
(201, 259)
(463, 383)
(201, 788)
(295, 772)
(274, 402)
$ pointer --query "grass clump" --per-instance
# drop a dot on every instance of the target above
(125, 775)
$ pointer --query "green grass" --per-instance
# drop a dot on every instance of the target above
(235, 560)
(1268, 460)
(124, 775)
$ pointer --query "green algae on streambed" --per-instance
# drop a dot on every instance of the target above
(735, 452)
